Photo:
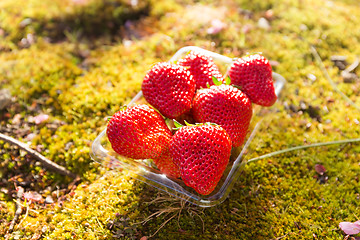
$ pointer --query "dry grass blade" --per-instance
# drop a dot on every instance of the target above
(18, 211)
(174, 205)
(163, 224)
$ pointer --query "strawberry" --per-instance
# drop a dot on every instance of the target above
(202, 154)
(139, 132)
(202, 67)
(166, 165)
(224, 105)
(253, 74)
(169, 88)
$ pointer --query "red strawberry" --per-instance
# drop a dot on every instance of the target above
(253, 74)
(227, 106)
(139, 132)
(202, 154)
(166, 165)
(202, 67)
(169, 88)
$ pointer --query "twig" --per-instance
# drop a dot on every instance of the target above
(18, 211)
(45, 161)
(25, 216)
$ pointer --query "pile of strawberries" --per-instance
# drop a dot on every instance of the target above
(216, 116)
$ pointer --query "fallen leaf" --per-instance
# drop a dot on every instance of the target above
(39, 118)
(216, 26)
(350, 228)
(320, 169)
(33, 196)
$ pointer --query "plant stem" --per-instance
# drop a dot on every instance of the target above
(303, 147)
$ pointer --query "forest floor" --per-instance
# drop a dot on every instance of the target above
(66, 65)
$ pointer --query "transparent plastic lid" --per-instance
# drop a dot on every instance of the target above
(147, 172)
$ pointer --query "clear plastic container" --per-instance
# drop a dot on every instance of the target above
(145, 171)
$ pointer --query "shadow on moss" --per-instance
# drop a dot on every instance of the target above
(97, 18)
(86, 18)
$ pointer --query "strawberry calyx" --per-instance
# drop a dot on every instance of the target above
(237, 86)
(227, 80)
(179, 125)
(218, 83)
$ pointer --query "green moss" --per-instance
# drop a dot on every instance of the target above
(57, 19)
(79, 82)
(41, 69)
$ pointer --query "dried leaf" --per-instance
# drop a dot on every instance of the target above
(41, 118)
(33, 196)
(216, 26)
(320, 169)
(350, 228)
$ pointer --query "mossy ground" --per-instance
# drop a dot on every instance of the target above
(80, 61)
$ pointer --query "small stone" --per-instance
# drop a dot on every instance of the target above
(303, 27)
(311, 77)
(25, 22)
(30, 137)
(269, 14)
(134, 3)
(30, 38)
(49, 199)
(5, 98)
(246, 13)
(264, 24)
(339, 58)
(68, 145)
(340, 65)
(293, 108)
(339, 61)
(349, 77)
(246, 28)
(16, 119)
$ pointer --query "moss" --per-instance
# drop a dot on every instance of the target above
(41, 69)
(57, 19)
(79, 82)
